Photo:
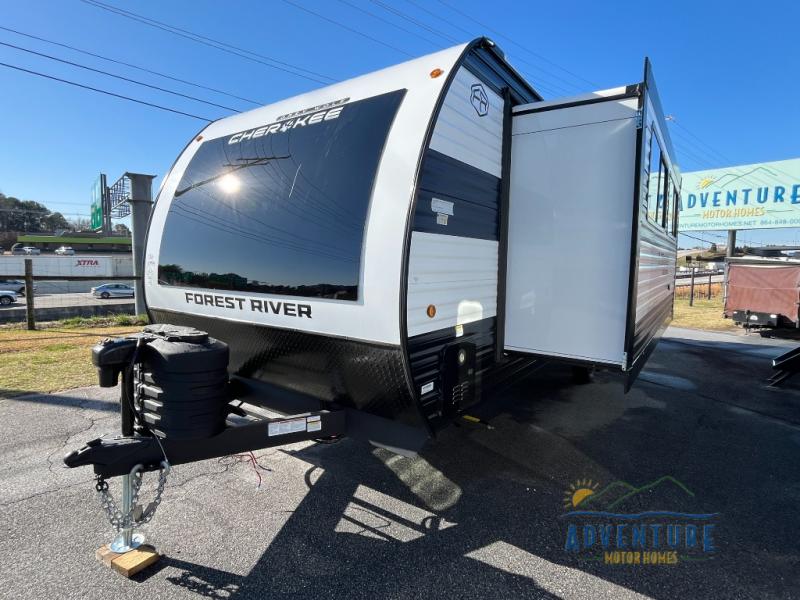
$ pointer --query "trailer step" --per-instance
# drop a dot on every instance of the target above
(785, 366)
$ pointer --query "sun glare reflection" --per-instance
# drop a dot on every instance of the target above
(229, 183)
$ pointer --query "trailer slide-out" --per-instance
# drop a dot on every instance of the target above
(389, 248)
(592, 228)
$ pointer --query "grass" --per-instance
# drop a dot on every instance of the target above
(57, 355)
(84, 322)
(705, 314)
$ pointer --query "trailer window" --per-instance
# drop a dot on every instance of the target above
(674, 217)
(672, 207)
(655, 183)
(666, 201)
(279, 209)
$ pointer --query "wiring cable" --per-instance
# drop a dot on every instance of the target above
(219, 45)
(131, 66)
(128, 79)
(106, 92)
(343, 26)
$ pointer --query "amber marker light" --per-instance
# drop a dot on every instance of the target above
(435, 73)
(431, 311)
(198, 138)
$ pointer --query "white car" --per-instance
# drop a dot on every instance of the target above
(113, 290)
(8, 297)
(31, 250)
(65, 251)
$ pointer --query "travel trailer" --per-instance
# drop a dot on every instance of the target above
(378, 253)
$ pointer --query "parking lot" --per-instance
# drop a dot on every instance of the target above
(479, 514)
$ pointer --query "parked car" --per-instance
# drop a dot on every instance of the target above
(17, 249)
(31, 250)
(15, 285)
(7, 297)
(113, 290)
(65, 251)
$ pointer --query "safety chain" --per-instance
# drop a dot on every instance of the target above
(135, 516)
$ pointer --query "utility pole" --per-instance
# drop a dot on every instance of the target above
(141, 201)
(729, 252)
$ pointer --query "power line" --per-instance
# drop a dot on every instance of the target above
(538, 80)
(498, 34)
(213, 43)
(416, 22)
(688, 132)
(106, 92)
(343, 26)
(132, 66)
(43, 213)
(129, 80)
(696, 238)
(388, 22)
(708, 161)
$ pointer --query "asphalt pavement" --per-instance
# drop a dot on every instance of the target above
(479, 514)
(67, 299)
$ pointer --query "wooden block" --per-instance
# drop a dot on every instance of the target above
(128, 563)
(105, 555)
(132, 562)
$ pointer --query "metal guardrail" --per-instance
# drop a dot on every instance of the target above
(687, 274)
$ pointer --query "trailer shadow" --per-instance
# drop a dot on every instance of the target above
(480, 513)
(58, 399)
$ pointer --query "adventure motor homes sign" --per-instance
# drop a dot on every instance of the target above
(758, 196)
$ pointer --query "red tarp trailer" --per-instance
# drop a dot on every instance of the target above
(763, 292)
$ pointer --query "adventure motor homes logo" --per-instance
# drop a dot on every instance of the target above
(622, 524)
(755, 196)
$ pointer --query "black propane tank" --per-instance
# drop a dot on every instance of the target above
(180, 379)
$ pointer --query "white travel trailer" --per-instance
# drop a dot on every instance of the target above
(393, 244)
(383, 243)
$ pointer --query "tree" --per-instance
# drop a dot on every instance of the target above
(55, 221)
(80, 224)
(29, 216)
(122, 229)
(22, 215)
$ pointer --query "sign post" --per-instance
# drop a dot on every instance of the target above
(141, 202)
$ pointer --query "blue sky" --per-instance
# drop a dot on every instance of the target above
(726, 74)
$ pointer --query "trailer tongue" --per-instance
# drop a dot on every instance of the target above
(178, 406)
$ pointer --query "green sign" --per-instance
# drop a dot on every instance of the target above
(98, 191)
(759, 196)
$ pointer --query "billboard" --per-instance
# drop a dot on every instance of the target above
(758, 196)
